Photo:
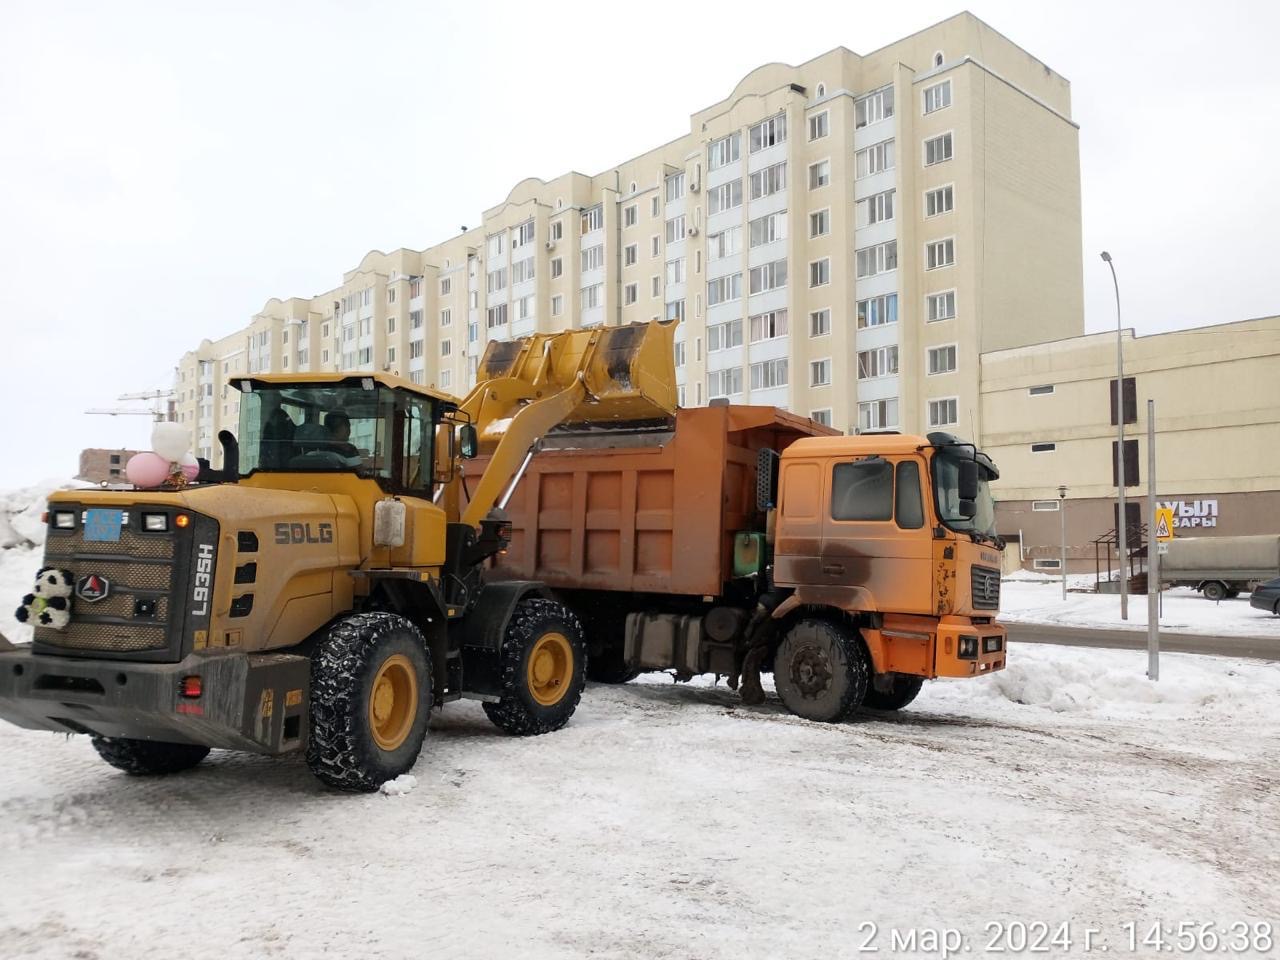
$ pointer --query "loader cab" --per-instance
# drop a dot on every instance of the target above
(357, 425)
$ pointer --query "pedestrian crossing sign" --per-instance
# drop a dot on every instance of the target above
(1164, 523)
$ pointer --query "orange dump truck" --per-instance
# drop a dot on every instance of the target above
(730, 539)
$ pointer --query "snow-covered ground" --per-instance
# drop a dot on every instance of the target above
(21, 549)
(671, 821)
(1033, 598)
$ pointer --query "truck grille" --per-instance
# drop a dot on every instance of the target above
(986, 588)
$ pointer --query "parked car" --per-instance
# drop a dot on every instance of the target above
(1266, 596)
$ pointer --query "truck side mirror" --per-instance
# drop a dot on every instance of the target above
(967, 482)
(967, 508)
(468, 440)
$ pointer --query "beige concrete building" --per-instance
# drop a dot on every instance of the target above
(99, 465)
(843, 238)
(1049, 419)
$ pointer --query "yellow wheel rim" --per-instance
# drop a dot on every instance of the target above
(393, 702)
(550, 669)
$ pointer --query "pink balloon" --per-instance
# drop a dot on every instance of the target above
(191, 470)
(147, 469)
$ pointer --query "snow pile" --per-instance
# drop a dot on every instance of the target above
(400, 785)
(21, 549)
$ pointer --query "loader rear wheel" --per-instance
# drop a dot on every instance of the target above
(544, 664)
(820, 671)
(903, 690)
(370, 701)
(142, 758)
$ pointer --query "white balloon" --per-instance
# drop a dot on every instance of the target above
(170, 440)
(189, 460)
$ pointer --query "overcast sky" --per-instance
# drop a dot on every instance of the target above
(168, 167)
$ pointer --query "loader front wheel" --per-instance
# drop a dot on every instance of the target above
(544, 665)
(820, 671)
(144, 758)
(370, 701)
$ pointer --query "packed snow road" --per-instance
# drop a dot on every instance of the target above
(670, 821)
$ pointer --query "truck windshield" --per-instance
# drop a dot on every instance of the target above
(946, 482)
(378, 433)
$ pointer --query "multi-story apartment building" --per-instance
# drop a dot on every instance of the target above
(842, 238)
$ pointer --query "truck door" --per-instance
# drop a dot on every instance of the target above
(875, 534)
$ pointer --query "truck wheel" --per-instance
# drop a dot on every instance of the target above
(610, 668)
(370, 701)
(544, 664)
(1214, 591)
(1232, 594)
(142, 758)
(905, 688)
(820, 671)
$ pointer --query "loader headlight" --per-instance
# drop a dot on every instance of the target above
(155, 522)
(968, 648)
(64, 519)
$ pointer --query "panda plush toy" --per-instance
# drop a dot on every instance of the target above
(49, 605)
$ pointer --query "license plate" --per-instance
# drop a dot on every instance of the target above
(103, 525)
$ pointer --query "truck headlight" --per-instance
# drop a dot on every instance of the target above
(992, 644)
(155, 522)
(64, 519)
(968, 648)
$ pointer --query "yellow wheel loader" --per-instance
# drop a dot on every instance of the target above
(325, 588)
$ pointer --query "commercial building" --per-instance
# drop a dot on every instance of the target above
(1049, 419)
(843, 238)
(98, 465)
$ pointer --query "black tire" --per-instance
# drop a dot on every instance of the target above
(905, 688)
(608, 667)
(146, 758)
(530, 705)
(1214, 591)
(1276, 609)
(348, 749)
(821, 671)
(1232, 594)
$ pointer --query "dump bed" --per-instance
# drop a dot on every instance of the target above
(643, 510)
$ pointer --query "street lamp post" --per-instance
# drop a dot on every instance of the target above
(1122, 539)
(1062, 513)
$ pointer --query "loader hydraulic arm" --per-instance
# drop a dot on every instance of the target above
(600, 377)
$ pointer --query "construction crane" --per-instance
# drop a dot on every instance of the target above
(160, 410)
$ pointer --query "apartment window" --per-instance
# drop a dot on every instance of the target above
(769, 181)
(877, 259)
(522, 270)
(675, 311)
(391, 298)
(446, 348)
(937, 97)
(592, 296)
(875, 209)
(1130, 401)
(366, 326)
(878, 414)
(653, 206)
(937, 149)
(391, 325)
(593, 258)
(820, 372)
(939, 201)
(494, 245)
(876, 158)
(674, 187)
(629, 294)
(724, 151)
(446, 318)
(940, 306)
(655, 245)
(415, 288)
(819, 223)
(675, 229)
(366, 297)
(655, 286)
(1045, 506)
(768, 326)
(942, 359)
(820, 272)
(940, 253)
(497, 279)
(1048, 448)
(724, 383)
(415, 349)
(873, 107)
(769, 373)
(821, 416)
(880, 362)
(629, 214)
(1043, 390)
(557, 230)
(768, 133)
(474, 299)
(819, 126)
(557, 305)
(722, 336)
(324, 330)
(679, 352)
(630, 253)
(522, 235)
(819, 174)
(593, 219)
(557, 268)
(446, 378)
(942, 413)
(768, 276)
(1047, 564)
(497, 316)
(1130, 463)
(675, 271)
(416, 376)
(768, 228)
(724, 197)
(820, 323)
(724, 289)
(524, 308)
(726, 243)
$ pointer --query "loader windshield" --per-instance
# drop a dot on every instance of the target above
(378, 432)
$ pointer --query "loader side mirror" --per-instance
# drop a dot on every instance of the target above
(468, 441)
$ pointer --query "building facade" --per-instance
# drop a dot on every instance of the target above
(1049, 419)
(98, 465)
(843, 238)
